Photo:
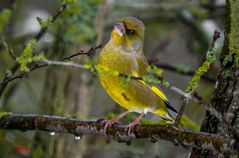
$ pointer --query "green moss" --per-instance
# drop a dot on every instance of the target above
(149, 79)
(2, 114)
(232, 36)
(4, 17)
(27, 56)
(46, 22)
(90, 66)
(153, 70)
(68, 1)
(210, 58)
(103, 70)
(165, 84)
(187, 123)
(197, 76)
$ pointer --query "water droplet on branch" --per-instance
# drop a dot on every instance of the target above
(78, 137)
(52, 133)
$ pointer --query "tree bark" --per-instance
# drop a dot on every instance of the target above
(225, 96)
(117, 132)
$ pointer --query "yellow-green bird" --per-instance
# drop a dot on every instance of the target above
(124, 53)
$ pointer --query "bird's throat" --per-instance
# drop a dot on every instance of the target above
(125, 44)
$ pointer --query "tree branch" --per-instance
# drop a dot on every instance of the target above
(223, 96)
(38, 66)
(210, 58)
(186, 96)
(37, 37)
(117, 132)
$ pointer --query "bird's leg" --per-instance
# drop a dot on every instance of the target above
(109, 123)
(130, 126)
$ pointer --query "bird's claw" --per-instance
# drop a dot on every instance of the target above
(131, 126)
(109, 123)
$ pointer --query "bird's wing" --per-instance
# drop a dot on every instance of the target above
(142, 64)
(160, 95)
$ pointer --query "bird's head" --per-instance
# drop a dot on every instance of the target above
(128, 34)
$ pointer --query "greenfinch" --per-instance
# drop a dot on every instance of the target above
(124, 54)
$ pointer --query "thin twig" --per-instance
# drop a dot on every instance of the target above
(88, 53)
(38, 66)
(60, 63)
(44, 29)
(181, 110)
(216, 36)
(183, 72)
(10, 51)
(37, 37)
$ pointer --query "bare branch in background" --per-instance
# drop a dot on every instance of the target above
(10, 51)
(183, 72)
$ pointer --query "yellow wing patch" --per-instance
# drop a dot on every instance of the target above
(153, 88)
(158, 92)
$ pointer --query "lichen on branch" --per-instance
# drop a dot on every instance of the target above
(117, 132)
(27, 56)
(210, 58)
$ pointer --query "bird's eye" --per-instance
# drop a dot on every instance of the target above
(130, 32)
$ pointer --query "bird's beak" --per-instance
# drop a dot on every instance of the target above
(120, 29)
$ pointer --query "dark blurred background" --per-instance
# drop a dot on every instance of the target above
(177, 34)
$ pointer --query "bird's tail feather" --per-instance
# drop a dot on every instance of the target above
(165, 115)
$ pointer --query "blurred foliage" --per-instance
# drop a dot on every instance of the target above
(4, 17)
(45, 23)
(198, 13)
(27, 56)
(2, 114)
(76, 24)
(154, 71)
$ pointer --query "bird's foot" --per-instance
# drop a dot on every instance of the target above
(109, 123)
(131, 126)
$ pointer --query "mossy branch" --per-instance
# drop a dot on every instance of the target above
(98, 70)
(210, 58)
(36, 38)
(117, 132)
(225, 95)
(38, 65)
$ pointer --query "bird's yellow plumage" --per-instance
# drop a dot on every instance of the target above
(124, 53)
